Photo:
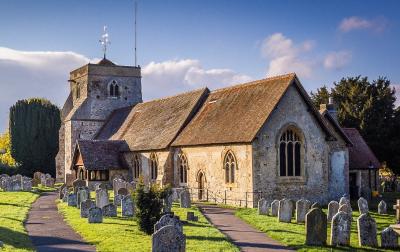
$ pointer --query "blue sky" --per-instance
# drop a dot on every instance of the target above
(183, 45)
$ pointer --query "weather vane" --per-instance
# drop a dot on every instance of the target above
(104, 41)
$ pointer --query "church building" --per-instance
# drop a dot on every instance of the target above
(236, 144)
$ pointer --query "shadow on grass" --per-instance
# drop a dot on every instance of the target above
(205, 238)
(192, 224)
(15, 239)
(284, 231)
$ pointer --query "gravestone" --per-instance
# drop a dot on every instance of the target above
(274, 208)
(118, 183)
(16, 185)
(169, 219)
(102, 198)
(366, 226)
(72, 199)
(85, 206)
(95, 215)
(344, 201)
(128, 208)
(37, 175)
(185, 199)
(333, 208)
(27, 184)
(78, 183)
(82, 195)
(191, 217)
(341, 229)
(43, 179)
(168, 239)
(362, 205)
(167, 206)
(346, 208)
(389, 238)
(382, 207)
(397, 208)
(315, 205)
(285, 210)
(102, 185)
(35, 182)
(316, 226)
(263, 207)
(109, 210)
(122, 191)
(302, 207)
(61, 191)
(65, 198)
(117, 199)
(49, 182)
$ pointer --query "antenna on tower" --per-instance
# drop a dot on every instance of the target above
(104, 41)
(135, 33)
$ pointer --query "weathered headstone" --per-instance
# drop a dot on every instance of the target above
(122, 191)
(263, 207)
(366, 226)
(316, 226)
(117, 199)
(43, 179)
(35, 182)
(167, 204)
(397, 208)
(344, 201)
(85, 206)
(128, 208)
(78, 183)
(341, 229)
(62, 190)
(118, 183)
(362, 205)
(191, 217)
(274, 208)
(82, 195)
(389, 238)
(109, 210)
(102, 198)
(302, 207)
(16, 185)
(185, 199)
(285, 210)
(27, 184)
(168, 239)
(333, 208)
(346, 208)
(72, 199)
(315, 205)
(95, 215)
(49, 182)
(169, 219)
(382, 207)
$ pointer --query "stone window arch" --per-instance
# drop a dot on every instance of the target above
(290, 152)
(114, 89)
(137, 166)
(153, 166)
(183, 168)
(230, 165)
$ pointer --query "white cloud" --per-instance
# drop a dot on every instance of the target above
(285, 56)
(357, 23)
(337, 60)
(397, 88)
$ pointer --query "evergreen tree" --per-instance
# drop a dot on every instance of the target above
(320, 97)
(5, 150)
(34, 126)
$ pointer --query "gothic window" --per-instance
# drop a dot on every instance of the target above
(78, 92)
(230, 166)
(153, 166)
(290, 157)
(183, 169)
(136, 166)
(114, 89)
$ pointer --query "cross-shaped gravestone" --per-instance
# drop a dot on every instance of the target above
(397, 208)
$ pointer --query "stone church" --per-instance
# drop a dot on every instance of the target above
(233, 145)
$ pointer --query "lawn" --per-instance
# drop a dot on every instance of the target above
(14, 207)
(122, 234)
(293, 235)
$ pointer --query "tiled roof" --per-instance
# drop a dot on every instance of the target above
(113, 123)
(360, 155)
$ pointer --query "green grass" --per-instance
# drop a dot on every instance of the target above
(293, 235)
(123, 234)
(14, 207)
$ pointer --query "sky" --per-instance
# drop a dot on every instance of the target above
(184, 45)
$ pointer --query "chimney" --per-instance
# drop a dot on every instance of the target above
(331, 107)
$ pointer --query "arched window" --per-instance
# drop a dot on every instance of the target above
(183, 169)
(230, 166)
(153, 166)
(290, 157)
(113, 89)
(136, 167)
(78, 92)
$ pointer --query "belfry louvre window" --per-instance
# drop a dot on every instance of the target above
(136, 167)
(114, 89)
(230, 166)
(153, 166)
(290, 157)
(183, 169)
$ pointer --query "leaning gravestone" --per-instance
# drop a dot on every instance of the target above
(389, 238)
(185, 199)
(85, 207)
(274, 208)
(362, 205)
(382, 207)
(302, 207)
(169, 220)
(95, 215)
(333, 208)
(366, 226)
(341, 229)
(316, 226)
(102, 198)
(168, 239)
(72, 199)
(127, 206)
(263, 207)
(110, 210)
(285, 210)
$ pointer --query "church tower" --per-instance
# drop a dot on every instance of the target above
(95, 91)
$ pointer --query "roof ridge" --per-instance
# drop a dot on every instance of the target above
(255, 82)
(173, 96)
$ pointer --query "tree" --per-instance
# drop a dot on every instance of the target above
(34, 126)
(5, 150)
(320, 97)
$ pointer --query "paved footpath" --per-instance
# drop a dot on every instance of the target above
(242, 234)
(49, 232)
